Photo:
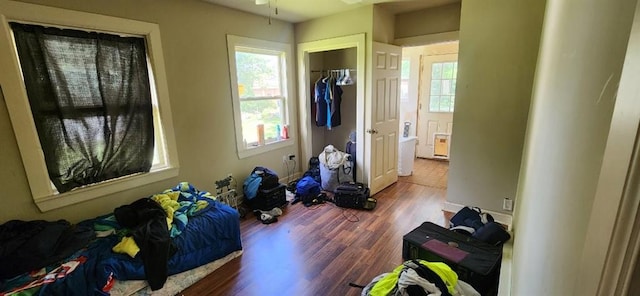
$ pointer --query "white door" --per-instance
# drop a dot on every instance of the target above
(382, 117)
(436, 99)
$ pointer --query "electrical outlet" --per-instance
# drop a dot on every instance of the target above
(291, 156)
(507, 204)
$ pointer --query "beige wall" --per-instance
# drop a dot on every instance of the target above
(347, 23)
(428, 21)
(194, 43)
(383, 25)
(496, 63)
(575, 89)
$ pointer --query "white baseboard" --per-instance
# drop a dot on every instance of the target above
(502, 218)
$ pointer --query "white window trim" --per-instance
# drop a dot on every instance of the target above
(288, 91)
(44, 196)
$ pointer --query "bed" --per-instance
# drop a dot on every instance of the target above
(209, 238)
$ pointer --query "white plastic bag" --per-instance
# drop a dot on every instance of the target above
(335, 168)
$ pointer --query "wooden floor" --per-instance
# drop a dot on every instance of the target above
(319, 250)
(429, 172)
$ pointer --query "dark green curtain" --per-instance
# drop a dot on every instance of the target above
(91, 102)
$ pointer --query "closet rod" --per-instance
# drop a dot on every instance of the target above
(322, 71)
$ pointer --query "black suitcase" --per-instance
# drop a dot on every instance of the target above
(475, 262)
(354, 195)
(267, 199)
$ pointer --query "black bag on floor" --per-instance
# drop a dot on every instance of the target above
(354, 195)
(269, 180)
(267, 199)
(475, 262)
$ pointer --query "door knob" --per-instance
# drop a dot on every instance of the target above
(372, 131)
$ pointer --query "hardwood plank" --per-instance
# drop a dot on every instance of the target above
(319, 250)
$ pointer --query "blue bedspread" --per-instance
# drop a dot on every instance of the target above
(210, 235)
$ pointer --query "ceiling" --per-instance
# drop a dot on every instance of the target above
(302, 10)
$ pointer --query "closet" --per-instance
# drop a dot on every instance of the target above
(339, 66)
(326, 57)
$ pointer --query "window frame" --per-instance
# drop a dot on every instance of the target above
(286, 86)
(45, 197)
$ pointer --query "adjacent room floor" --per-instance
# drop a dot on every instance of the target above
(429, 172)
(321, 249)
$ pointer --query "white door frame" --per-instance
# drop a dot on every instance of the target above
(304, 49)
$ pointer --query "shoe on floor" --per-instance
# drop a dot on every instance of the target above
(267, 219)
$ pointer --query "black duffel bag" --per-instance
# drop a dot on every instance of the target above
(354, 195)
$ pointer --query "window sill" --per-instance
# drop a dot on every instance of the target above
(53, 202)
(247, 152)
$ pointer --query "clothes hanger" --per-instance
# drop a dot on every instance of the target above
(347, 78)
(340, 77)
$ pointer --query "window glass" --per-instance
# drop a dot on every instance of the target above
(436, 71)
(404, 79)
(260, 92)
(443, 86)
(258, 74)
(267, 113)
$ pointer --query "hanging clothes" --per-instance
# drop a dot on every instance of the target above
(327, 99)
(319, 101)
(334, 109)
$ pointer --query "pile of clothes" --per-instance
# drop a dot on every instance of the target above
(419, 278)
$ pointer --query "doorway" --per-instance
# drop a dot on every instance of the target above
(428, 98)
(342, 53)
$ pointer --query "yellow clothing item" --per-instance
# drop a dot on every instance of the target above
(127, 246)
(388, 282)
(384, 286)
(448, 276)
(169, 202)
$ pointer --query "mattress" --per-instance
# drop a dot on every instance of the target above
(211, 234)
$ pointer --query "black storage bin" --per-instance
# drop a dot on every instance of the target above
(475, 262)
(267, 199)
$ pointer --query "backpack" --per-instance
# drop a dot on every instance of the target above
(269, 179)
(314, 169)
(307, 191)
(475, 223)
(261, 178)
(469, 219)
